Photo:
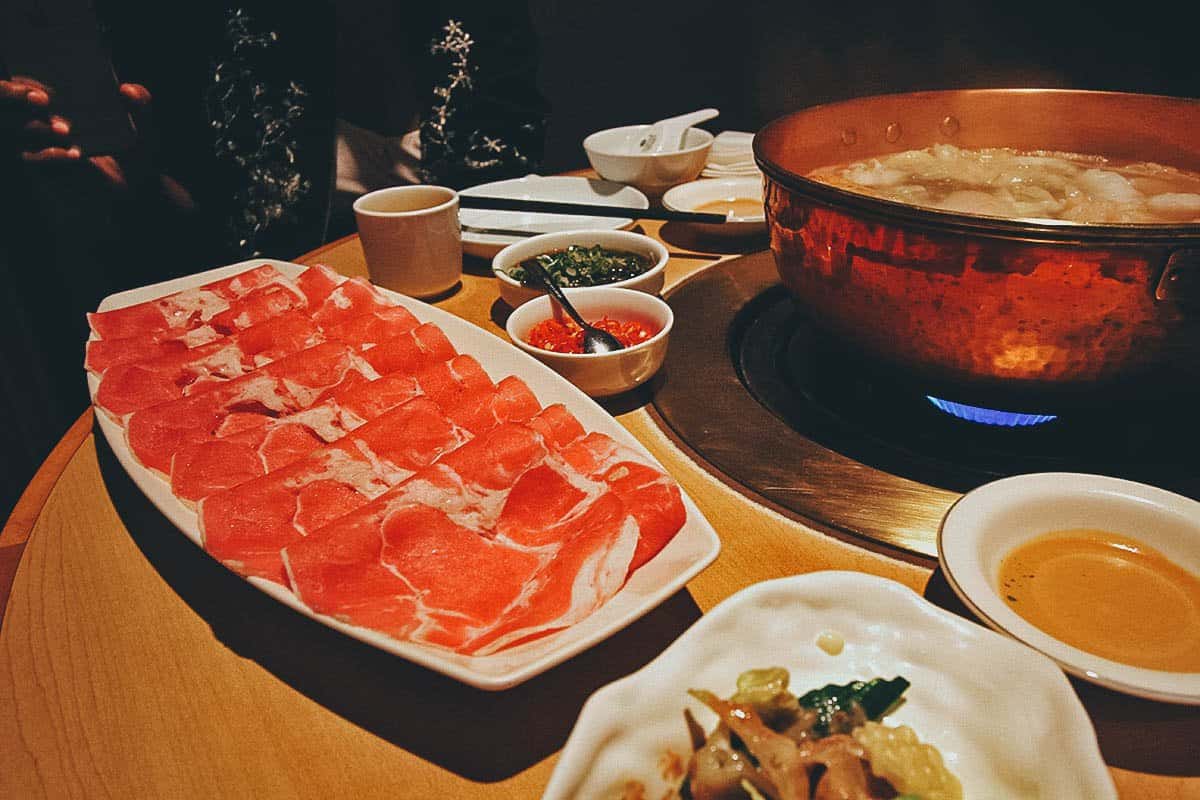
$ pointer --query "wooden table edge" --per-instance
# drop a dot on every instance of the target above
(33, 499)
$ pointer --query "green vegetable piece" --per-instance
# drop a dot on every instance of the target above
(766, 691)
(874, 697)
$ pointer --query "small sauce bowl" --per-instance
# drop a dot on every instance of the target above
(600, 374)
(514, 293)
(991, 522)
(692, 196)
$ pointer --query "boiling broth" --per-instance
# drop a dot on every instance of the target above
(1041, 185)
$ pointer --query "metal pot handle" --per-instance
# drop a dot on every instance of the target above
(1180, 281)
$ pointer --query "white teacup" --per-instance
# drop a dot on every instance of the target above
(411, 238)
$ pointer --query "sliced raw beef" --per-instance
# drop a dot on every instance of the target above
(457, 499)
(351, 298)
(285, 386)
(377, 326)
(130, 387)
(104, 353)
(133, 334)
(186, 309)
(247, 526)
(652, 496)
(407, 550)
(423, 345)
(588, 566)
(272, 441)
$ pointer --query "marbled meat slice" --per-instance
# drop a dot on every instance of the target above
(456, 499)
(104, 353)
(285, 386)
(351, 298)
(422, 346)
(246, 527)
(397, 564)
(273, 441)
(130, 387)
(214, 315)
(651, 495)
(375, 327)
(594, 548)
(185, 309)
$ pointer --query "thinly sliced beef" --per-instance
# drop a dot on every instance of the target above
(285, 386)
(246, 527)
(426, 531)
(651, 495)
(276, 441)
(186, 309)
(132, 386)
(431, 504)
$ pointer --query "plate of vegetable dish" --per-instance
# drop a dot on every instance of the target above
(833, 685)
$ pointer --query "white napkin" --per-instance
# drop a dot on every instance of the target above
(731, 156)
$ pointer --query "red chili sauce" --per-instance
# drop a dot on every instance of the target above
(564, 336)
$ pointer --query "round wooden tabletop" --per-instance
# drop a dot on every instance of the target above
(133, 665)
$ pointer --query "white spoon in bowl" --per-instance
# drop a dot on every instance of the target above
(667, 134)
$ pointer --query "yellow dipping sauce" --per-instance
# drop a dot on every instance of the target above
(733, 207)
(1109, 595)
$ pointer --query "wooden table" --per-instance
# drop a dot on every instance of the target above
(133, 666)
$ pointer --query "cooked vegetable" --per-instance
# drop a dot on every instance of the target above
(834, 703)
(582, 266)
(911, 767)
(771, 745)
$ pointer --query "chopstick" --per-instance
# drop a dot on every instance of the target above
(551, 207)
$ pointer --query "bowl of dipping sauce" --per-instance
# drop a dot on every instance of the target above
(641, 321)
(739, 199)
(582, 259)
(615, 154)
(1100, 574)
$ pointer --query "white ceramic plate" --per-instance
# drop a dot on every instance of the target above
(486, 232)
(690, 196)
(692, 549)
(987, 523)
(1003, 716)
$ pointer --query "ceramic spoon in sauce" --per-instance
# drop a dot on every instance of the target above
(594, 339)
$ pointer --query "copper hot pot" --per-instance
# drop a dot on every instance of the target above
(986, 306)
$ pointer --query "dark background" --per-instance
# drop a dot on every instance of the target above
(622, 62)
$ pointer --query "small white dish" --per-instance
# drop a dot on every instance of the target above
(615, 155)
(600, 374)
(1004, 718)
(486, 232)
(690, 196)
(989, 522)
(514, 293)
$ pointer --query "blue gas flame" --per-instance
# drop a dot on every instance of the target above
(990, 416)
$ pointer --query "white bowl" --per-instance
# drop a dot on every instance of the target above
(614, 154)
(989, 522)
(600, 374)
(650, 281)
(486, 231)
(690, 196)
(1004, 718)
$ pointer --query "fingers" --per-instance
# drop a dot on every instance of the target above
(19, 91)
(50, 154)
(135, 94)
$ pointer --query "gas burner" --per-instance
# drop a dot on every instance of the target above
(989, 416)
(791, 418)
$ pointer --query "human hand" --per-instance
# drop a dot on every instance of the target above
(28, 127)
